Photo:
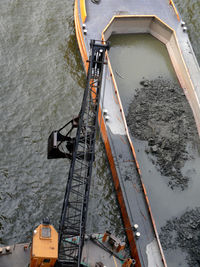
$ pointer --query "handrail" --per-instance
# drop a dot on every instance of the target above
(175, 9)
(83, 10)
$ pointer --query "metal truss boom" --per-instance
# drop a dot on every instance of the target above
(74, 211)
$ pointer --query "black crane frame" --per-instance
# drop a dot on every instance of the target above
(74, 211)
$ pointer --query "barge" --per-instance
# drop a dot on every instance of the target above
(100, 20)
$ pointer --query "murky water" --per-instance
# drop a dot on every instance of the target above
(42, 82)
(133, 58)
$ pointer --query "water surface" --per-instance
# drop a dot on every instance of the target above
(42, 83)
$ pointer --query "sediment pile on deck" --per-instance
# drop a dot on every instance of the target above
(161, 115)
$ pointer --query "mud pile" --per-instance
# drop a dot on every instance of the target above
(161, 115)
(184, 233)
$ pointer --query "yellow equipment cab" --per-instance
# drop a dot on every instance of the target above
(44, 250)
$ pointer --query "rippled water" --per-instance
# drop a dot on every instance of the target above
(42, 81)
(190, 11)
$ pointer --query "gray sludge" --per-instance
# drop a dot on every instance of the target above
(160, 114)
(184, 232)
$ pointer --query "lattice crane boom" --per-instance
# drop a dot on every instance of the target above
(81, 151)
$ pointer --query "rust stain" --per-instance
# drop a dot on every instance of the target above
(119, 119)
(122, 139)
(143, 215)
(136, 188)
(116, 101)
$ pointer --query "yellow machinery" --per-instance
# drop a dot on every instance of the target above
(44, 251)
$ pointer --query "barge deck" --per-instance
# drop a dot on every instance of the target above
(161, 19)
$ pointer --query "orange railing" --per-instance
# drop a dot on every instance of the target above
(174, 7)
(83, 10)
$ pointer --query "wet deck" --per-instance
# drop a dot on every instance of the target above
(17, 256)
(95, 253)
(129, 180)
(103, 12)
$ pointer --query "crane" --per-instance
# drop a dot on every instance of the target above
(80, 150)
(75, 141)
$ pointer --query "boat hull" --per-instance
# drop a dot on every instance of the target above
(162, 20)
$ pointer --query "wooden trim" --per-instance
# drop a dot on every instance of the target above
(133, 16)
